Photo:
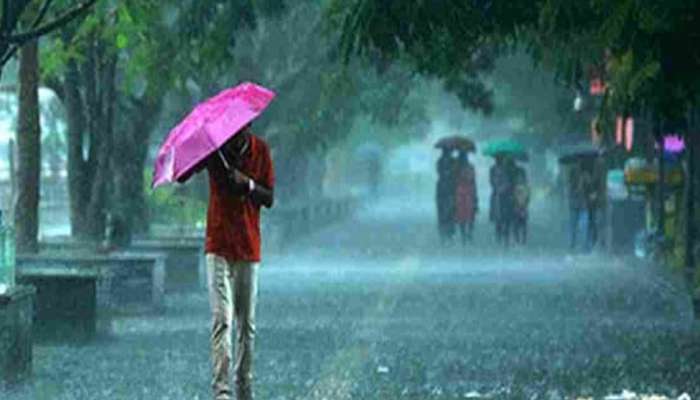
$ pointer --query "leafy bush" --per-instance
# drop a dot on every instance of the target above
(174, 206)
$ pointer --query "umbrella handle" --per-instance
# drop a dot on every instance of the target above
(223, 159)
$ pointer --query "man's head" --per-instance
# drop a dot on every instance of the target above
(239, 140)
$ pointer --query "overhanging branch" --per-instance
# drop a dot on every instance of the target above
(42, 13)
(37, 21)
(61, 20)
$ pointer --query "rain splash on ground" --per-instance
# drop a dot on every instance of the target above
(373, 308)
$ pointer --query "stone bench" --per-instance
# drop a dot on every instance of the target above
(184, 261)
(126, 281)
(184, 257)
(16, 310)
(66, 302)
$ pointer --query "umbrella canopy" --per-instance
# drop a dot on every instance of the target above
(506, 147)
(457, 143)
(210, 125)
(578, 152)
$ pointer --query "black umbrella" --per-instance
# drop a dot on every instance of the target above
(578, 152)
(456, 142)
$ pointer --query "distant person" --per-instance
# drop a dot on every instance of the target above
(595, 193)
(580, 184)
(466, 200)
(241, 181)
(501, 210)
(521, 203)
(597, 199)
(445, 195)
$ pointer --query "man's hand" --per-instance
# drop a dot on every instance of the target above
(239, 178)
(240, 181)
(259, 194)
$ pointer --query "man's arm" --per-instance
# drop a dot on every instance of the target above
(195, 170)
(259, 193)
(262, 196)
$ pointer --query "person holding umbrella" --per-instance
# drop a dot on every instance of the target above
(584, 192)
(217, 137)
(454, 208)
(521, 197)
(502, 178)
(445, 195)
(466, 200)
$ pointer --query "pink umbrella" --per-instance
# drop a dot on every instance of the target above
(210, 125)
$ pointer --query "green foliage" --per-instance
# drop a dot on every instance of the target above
(455, 41)
(539, 108)
(170, 206)
(320, 96)
(646, 50)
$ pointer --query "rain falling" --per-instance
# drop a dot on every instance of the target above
(349, 199)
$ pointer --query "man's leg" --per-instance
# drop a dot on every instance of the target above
(574, 216)
(246, 293)
(586, 230)
(220, 299)
(593, 226)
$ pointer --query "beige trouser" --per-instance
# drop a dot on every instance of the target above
(233, 288)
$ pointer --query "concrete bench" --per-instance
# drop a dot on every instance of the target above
(184, 261)
(16, 310)
(127, 281)
(66, 302)
(184, 257)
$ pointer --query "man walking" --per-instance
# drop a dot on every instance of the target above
(241, 181)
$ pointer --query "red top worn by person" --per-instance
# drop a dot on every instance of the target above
(466, 198)
(233, 220)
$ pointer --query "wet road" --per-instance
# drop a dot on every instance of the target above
(373, 308)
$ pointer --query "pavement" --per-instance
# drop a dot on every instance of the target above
(375, 308)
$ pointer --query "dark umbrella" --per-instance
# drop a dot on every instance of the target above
(456, 143)
(578, 152)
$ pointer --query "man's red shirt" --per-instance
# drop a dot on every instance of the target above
(233, 221)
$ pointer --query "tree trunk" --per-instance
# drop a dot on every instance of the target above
(690, 219)
(11, 154)
(661, 183)
(102, 99)
(29, 151)
(90, 95)
(131, 151)
(78, 179)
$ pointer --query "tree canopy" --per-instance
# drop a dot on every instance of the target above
(643, 49)
(24, 20)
